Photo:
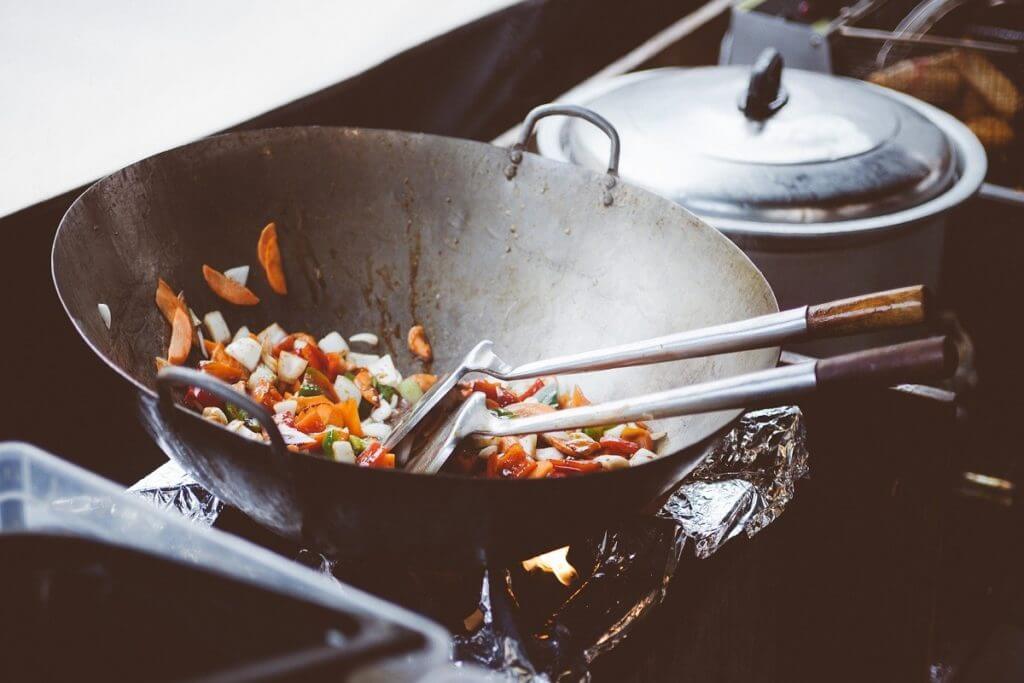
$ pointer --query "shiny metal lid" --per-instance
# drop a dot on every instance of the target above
(743, 144)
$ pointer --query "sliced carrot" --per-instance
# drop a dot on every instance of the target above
(304, 402)
(374, 456)
(222, 371)
(543, 469)
(181, 337)
(228, 289)
(424, 380)
(575, 466)
(266, 394)
(346, 414)
(310, 422)
(167, 301)
(639, 436)
(219, 355)
(269, 255)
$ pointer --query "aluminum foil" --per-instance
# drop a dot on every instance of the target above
(529, 627)
(172, 488)
(743, 486)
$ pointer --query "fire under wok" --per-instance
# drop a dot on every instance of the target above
(381, 230)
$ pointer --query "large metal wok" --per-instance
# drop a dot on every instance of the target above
(381, 230)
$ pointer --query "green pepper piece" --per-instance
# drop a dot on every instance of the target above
(596, 433)
(358, 445)
(252, 424)
(235, 413)
(385, 391)
(501, 412)
(328, 445)
(310, 389)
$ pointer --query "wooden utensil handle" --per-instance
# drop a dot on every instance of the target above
(893, 308)
(915, 361)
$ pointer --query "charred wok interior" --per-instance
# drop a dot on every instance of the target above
(384, 231)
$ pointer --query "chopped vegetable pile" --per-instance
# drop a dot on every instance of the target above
(340, 404)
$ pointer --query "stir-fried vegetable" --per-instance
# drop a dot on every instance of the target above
(228, 289)
(340, 404)
(270, 258)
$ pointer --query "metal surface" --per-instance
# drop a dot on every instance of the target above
(380, 230)
(773, 329)
(777, 385)
(836, 151)
(735, 170)
(171, 377)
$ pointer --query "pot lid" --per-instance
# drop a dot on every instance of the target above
(764, 144)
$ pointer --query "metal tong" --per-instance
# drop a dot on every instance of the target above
(880, 310)
(908, 362)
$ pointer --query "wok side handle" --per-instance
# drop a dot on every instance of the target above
(171, 377)
(537, 113)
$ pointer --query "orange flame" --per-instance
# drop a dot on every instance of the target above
(555, 562)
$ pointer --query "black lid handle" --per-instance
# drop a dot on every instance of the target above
(765, 94)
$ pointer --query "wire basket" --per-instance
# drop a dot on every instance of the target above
(963, 56)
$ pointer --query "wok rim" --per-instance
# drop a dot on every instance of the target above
(146, 392)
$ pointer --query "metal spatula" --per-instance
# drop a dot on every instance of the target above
(909, 362)
(893, 308)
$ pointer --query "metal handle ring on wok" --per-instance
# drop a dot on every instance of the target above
(515, 152)
(171, 377)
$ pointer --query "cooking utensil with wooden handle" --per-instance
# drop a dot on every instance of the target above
(908, 362)
(879, 310)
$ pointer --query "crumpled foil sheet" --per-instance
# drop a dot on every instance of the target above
(530, 628)
(743, 485)
(172, 488)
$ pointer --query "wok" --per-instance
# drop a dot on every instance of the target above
(380, 230)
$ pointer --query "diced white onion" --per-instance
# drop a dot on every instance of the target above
(238, 427)
(246, 351)
(104, 314)
(641, 456)
(529, 444)
(299, 344)
(217, 327)
(239, 274)
(290, 367)
(243, 331)
(261, 374)
(288, 406)
(193, 318)
(293, 437)
(365, 338)
(215, 414)
(272, 334)
(269, 360)
(382, 412)
(202, 343)
(347, 389)
(615, 432)
(343, 452)
(363, 360)
(333, 343)
(376, 430)
(487, 452)
(548, 454)
(385, 371)
(612, 462)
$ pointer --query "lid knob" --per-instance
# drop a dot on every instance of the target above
(765, 94)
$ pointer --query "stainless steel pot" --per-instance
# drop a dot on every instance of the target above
(831, 185)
